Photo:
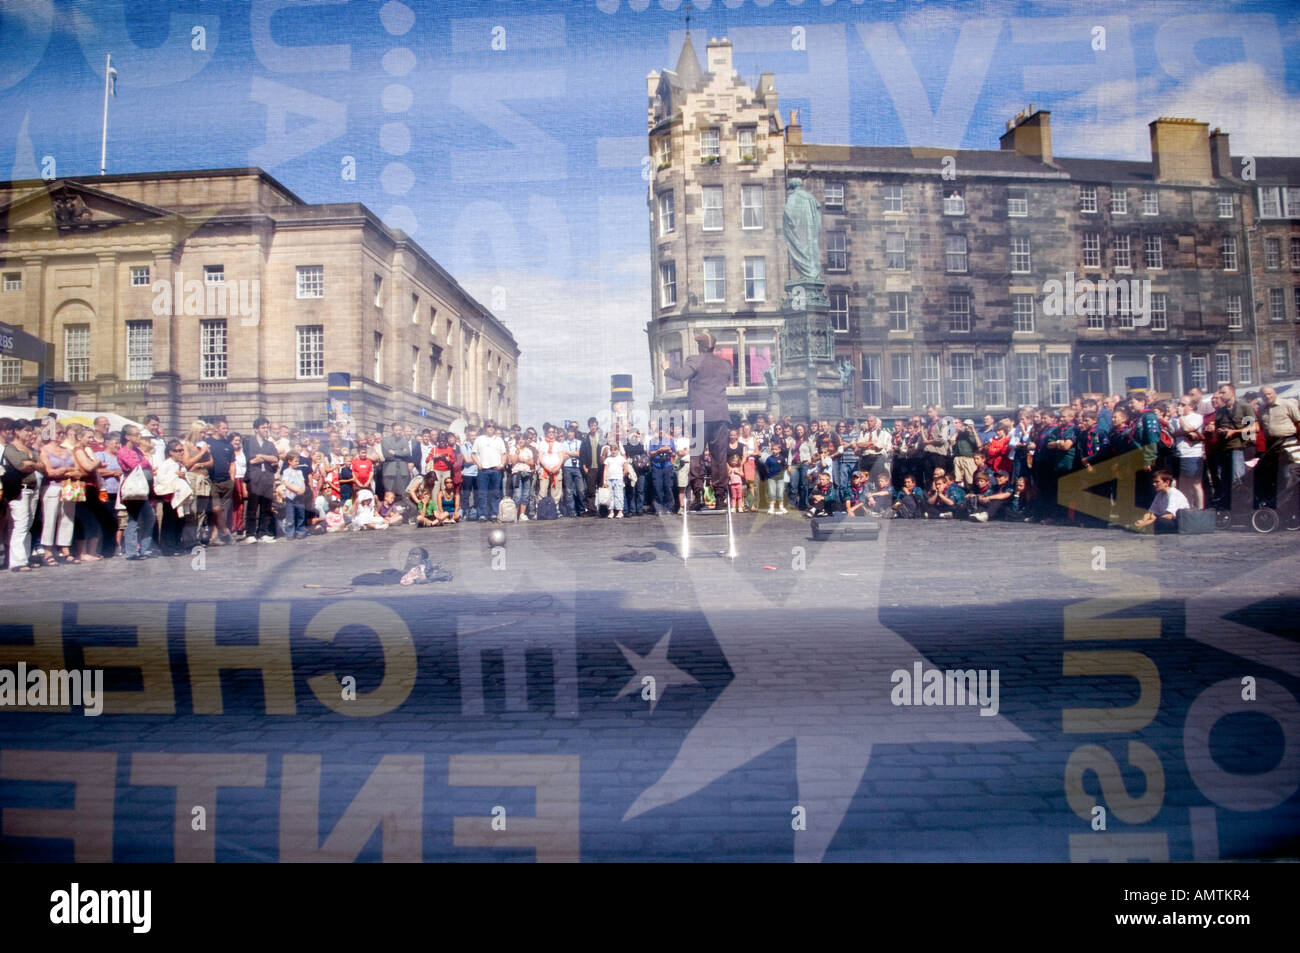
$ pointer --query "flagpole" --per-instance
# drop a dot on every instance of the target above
(103, 142)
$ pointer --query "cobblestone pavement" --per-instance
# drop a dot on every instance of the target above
(583, 693)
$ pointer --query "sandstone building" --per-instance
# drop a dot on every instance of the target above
(189, 294)
(939, 263)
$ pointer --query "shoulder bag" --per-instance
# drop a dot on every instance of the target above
(199, 482)
(72, 491)
(135, 486)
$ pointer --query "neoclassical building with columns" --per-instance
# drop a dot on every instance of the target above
(188, 294)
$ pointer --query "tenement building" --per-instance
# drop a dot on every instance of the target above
(189, 294)
(976, 280)
(1274, 250)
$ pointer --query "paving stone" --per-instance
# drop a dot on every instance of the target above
(792, 702)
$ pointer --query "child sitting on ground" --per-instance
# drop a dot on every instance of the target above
(881, 500)
(390, 510)
(334, 521)
(1021, 503)
(365, 516)
(824, 499)
(946, 500)
(987, 500)
(856, 502)
(908, 500)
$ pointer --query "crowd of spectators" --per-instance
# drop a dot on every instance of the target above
(78, 494)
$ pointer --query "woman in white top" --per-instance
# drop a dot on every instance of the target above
(522, 461)
(617, 467)
(241, 490)
(1190, 444)
(170, 483)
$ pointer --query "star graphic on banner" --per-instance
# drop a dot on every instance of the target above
(826, 685)
(656, 665)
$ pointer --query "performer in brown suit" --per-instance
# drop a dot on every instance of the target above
(708, 377)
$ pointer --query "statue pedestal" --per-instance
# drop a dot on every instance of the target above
(808, 385)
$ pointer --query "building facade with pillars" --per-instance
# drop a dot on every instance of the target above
(189, 294)
(941, 264)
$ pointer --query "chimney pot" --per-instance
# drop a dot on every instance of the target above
(1029, 134)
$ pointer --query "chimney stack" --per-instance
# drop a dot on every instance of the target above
(717, 56)
(1180, 150)
(794, 131)
(1030, 134)
(1220, 154)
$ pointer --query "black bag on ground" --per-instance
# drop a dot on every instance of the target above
(1196, 522)
(547, 510)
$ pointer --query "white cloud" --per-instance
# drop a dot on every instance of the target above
(1107, 120)
(573, 333)
(1240, 98)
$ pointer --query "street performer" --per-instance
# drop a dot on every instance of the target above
(708, 376)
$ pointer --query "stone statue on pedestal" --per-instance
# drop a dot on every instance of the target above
(802, 222)
(846, 369)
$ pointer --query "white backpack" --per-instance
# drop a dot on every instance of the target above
(508, 512)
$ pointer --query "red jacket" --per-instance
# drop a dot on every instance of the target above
(998, 458)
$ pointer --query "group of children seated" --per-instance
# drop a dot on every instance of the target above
(431, 502)
(993, 496)
(360, 513)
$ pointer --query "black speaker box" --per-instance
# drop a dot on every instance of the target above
(837, 526)
(1195, 522)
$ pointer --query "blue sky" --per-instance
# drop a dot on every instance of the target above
(519, 169)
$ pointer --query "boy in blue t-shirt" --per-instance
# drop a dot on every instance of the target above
(908, 500)
(988, 500)
(946, 500)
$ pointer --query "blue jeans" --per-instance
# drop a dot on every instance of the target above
(295, 518)
(799, 485)
(575, 491)
(664, 481)
(844, 470)
(1019, 467)
(521, 490)
(1238, 465)
(636, 505)
(137, 538)
(489, 493)
(469, 495)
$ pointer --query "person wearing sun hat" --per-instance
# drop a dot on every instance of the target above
(707, 377)
(963, 458)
